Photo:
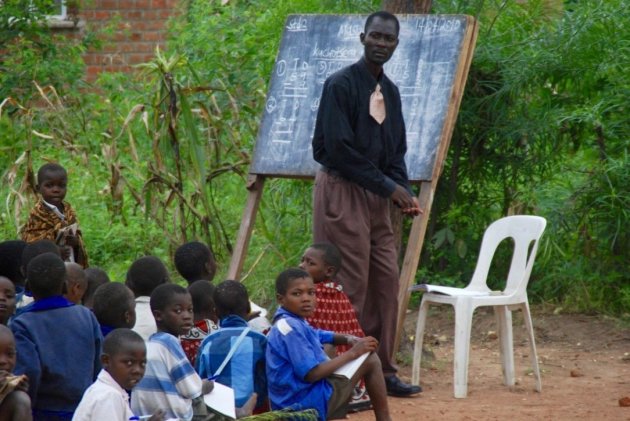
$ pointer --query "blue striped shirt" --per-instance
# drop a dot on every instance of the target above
(169, 383)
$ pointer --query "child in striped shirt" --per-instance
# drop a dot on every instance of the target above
(170, 382)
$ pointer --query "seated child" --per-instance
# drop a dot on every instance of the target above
(205, 318)
(144, 275)
(244, 371)
(299, 373)
(114, 307)
(15, 405)
(76, 283)
(10, 264)
(334, 310)
(54, 219)
(7, 300)
(195, 261)
(31, 251)
(95, 278)
(170, 382)
(58, 343)
(123, 360)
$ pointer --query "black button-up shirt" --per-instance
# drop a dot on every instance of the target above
(348, 140)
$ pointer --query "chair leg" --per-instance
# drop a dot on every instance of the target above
(506, 343)
(463, 322)
(532, 344)
(417, 350)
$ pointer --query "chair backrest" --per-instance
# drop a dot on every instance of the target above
(524, 230)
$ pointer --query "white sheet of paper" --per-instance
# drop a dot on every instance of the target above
(348, 369)
(450, 290)
(221, 399)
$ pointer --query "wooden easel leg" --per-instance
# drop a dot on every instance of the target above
(255, 184)
(412, 255)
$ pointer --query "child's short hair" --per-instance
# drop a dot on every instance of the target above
(119, 339)
(11, 260)
(331, 254)
(190, 261)
(110, 302)
(35, 249)
(48, 168)
(230, 297)
(145, 274)
(286, 277)
(201, 293)
(46, 275)
(76, 274)
(163, 295)
(95, 278)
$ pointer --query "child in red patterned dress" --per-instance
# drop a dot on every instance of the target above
(334, 310)
(195, 262)
(204, 318)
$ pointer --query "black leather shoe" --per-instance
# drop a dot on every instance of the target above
(396, 387)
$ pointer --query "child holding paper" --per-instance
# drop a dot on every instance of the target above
(299, 374)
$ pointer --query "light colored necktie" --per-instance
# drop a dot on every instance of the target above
(377, 105)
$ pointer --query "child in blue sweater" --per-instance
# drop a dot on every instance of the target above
(299, 373)
(58, 343)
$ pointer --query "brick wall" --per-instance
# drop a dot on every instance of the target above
(140, 29)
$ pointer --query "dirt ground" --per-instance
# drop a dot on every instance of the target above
(584, 361)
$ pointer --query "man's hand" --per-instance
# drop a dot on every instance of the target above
(406, 202)
(414, 210)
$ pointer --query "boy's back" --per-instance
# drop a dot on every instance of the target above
(58, 348)
(245, 371)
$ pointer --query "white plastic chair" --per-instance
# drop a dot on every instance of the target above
(526, 232)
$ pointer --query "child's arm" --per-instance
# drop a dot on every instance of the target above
(341, 339)
(27, 358)
(325, 369)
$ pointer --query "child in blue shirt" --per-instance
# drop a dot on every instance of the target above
(300, 375)
(58, 343)
(245, 370)
(114, 307)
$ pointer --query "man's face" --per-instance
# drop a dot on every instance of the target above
(380, 40)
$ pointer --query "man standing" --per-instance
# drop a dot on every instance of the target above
(360, 142)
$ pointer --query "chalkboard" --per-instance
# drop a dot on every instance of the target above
(425, 67)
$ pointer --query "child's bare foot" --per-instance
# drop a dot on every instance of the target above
(248, 408)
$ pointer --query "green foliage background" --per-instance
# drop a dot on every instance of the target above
(542, 129)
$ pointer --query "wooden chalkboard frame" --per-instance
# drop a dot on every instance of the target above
(255, 182)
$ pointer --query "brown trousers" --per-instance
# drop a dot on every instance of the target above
(358, 223)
